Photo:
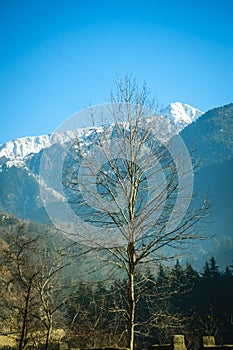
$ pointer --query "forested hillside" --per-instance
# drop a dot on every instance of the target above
(211, 138)
(44, 289)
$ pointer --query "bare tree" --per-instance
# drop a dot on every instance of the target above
(19, 299)
(131, 188)
(52, 287)
(33, 282)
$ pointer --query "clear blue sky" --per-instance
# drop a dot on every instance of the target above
(58, 57)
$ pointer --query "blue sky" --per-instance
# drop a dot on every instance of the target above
(57, 57)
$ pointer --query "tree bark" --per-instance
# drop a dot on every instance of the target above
(131, 295)
(23, 332)
(48, 334)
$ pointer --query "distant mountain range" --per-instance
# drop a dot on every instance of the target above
(210, 133)
(20, 162)
(15, 152)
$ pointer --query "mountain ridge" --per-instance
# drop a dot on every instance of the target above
(18, 149)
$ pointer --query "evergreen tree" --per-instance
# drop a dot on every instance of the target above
(206, 271)
(214, 269)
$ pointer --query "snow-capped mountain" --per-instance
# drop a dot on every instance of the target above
(23, 147)
(20, 162)
(16, 151)
(181, 114)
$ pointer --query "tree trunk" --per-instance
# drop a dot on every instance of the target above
(48, 334)
(25, 315)
(131, 295)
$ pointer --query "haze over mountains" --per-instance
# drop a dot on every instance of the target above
(211, 134)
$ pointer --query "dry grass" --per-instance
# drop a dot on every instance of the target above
(6, 340)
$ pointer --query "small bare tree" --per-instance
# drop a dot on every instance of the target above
(19, 299)
(52, 288)
(33, 284)
(131, 187)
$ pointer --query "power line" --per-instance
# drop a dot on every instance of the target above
(36, 86)
(63, 55)
(76, 62)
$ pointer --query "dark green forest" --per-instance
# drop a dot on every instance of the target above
(178, 300)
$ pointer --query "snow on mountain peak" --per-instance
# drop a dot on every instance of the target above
(24, 146)
(182, 113)
(21, 147)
